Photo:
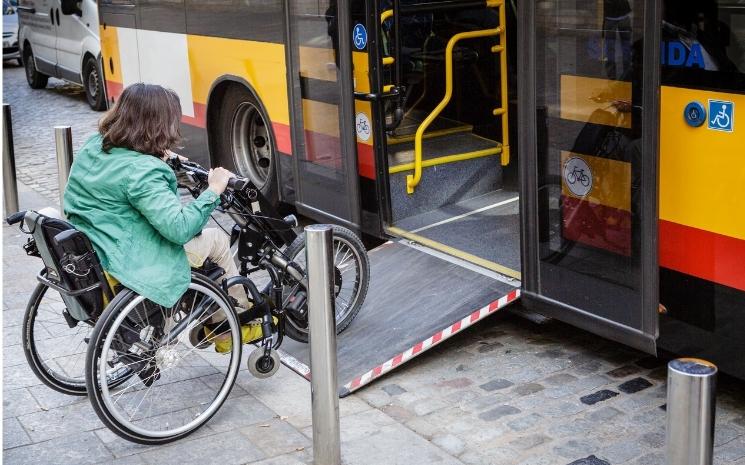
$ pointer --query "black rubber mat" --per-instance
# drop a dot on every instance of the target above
(412, 296)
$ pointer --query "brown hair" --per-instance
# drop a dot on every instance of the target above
(144, 119)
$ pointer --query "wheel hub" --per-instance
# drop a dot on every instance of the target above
(167, 358)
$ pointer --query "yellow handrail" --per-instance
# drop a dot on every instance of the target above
(413, 180)
(502, 50)
(384, 16)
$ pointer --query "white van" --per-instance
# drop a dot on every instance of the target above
(59, 38)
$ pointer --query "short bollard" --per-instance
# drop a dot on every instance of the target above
(322, 329)
(10, 185)
(691, 389)
(63, 142)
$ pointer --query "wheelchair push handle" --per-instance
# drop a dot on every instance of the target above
(15, 217)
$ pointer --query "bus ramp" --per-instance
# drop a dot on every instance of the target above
(417, 298)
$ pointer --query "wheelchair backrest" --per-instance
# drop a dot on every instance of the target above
(71, 264)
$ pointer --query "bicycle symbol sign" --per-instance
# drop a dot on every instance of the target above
(721, 115)
(578, 176)
(362, 126)
(359, 36)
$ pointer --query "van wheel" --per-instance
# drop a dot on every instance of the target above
(93, 84)
(244, 141)
(35, 79)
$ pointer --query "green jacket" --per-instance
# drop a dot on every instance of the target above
(127, 204)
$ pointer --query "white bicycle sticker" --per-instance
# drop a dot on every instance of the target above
(362, 126)
(578, 176)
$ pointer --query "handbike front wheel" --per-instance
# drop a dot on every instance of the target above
(351, 280)
(177, 386)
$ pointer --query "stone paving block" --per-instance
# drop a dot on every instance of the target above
(653, 458)
(623, 451)
(562, 409)
(409, 448)
(635, 385)
(455, 383)
(238, 412)
(734, 450)
(524, 423)
(486, 347)
(560, 379)
(499, 412)
(393, 389)
(653, 439)
(290, 459)
(60, 421)
(528, 389)
(575, 449)
(223, 448)
(11, 335)
(131, 460)
(13, 434)
(361, 424)
(48, 398)
(496, 384)
(397, 412)
(18, 402)
(375, 397)
(13, 355)
(19, 376)
(529, 441)
(276, 438)
(603, 414)
(427, 406)
(726, 433)
(595, 397)
(450, 443)
(75, 449)
(624, 371)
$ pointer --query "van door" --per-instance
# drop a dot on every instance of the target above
(71, 34)
(590, 172)
(39, 27)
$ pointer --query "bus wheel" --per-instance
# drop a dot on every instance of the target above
(245, 142)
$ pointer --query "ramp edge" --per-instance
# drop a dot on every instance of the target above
(431, 341)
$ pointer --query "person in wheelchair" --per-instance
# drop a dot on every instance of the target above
(123, 196)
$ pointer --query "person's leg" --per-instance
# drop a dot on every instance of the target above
(215, 245)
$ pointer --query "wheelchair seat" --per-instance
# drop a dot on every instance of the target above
(71, 266)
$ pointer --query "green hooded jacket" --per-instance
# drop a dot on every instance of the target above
(126, 202)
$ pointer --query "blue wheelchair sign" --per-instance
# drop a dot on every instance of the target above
(721, 115)
(359, 36)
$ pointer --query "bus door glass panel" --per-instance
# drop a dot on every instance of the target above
(590, 119)
(702, 180)
(325, 173)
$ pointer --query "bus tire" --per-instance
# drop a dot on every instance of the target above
(244, 140)
(94, 86)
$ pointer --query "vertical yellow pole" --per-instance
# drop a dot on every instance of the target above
(503, 81)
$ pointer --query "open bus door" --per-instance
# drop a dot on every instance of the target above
(589, 165)
(322, 104)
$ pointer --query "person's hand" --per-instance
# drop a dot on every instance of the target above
(173, 154)
(218, 179)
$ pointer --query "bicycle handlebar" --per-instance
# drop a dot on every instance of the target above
(237, 183)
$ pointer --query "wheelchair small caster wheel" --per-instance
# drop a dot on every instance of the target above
(261, 365)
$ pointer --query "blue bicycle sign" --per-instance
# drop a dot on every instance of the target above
(359, 36)
(721, 115)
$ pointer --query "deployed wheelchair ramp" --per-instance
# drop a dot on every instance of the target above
(417, 299)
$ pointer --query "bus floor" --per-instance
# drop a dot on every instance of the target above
(486, 227)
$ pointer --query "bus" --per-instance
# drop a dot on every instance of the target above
(581, 156)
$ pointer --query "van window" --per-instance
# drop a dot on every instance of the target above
(703, 44)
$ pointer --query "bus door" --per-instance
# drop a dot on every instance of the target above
(322, 99)
(590, 168)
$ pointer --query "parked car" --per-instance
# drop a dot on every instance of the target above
(10, 32)
(70, 49)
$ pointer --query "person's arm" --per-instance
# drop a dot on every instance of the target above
(148, 190)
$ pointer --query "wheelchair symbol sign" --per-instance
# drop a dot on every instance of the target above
(359, 36)
(721, 115)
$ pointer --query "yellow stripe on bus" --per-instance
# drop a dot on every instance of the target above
(702, 171)
(589, 100)
(611, 181)
(261, 64)
(110, 51)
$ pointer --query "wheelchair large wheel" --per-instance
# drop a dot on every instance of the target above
(177, 385)
(55, 351)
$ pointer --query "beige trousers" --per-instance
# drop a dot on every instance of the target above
(214, 244)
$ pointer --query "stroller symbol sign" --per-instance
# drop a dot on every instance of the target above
(721, 115)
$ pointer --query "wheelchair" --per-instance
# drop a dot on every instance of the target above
(148, 379)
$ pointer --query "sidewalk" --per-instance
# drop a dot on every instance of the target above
(505, 392)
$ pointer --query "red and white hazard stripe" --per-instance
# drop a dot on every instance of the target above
(432, 341)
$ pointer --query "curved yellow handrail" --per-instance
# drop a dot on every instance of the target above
(413, 180)
(385, 15)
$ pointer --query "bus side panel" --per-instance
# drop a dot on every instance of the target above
(702, 231)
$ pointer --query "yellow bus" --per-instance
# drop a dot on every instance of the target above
(581, 156)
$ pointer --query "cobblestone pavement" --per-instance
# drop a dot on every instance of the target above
(507, 391)
(34, 114)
